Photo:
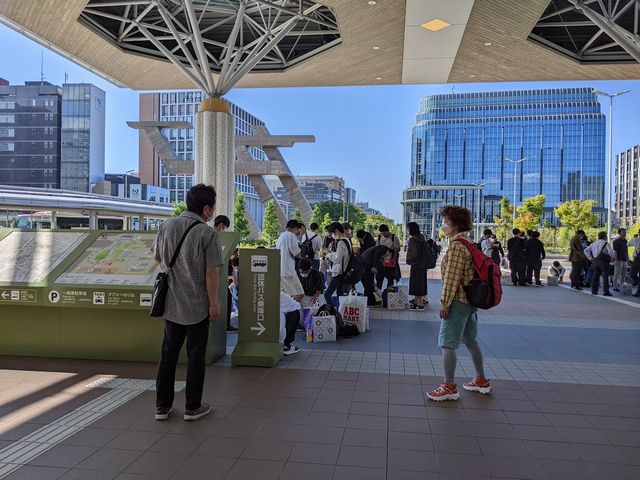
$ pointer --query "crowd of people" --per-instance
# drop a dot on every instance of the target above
(317, 265)
(592, 261)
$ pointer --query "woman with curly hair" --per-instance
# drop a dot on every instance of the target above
(459, 322)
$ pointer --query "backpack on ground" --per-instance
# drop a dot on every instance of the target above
(485, 290)
(306, 248)
(354, 271)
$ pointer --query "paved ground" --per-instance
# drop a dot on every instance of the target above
(565, 367)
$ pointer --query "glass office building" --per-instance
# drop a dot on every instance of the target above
(83, 137)
(463, 141)
(183, 106)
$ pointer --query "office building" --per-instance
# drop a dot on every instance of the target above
(83, 137)
(367, 209)
(130, 186)
(30, 134)
(316, 189)
(350, 195)
(627, 193)
(462, 144)
(182, 106)
(51, 136)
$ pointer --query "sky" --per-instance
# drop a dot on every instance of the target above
(363, 134)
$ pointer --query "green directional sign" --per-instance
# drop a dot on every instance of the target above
(259, 309)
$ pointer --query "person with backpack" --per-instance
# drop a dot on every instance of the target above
(418, 255)
(601, 254)
(496, 250)
(339, 260)
(388, 268)
(311, 245)
(459, 319)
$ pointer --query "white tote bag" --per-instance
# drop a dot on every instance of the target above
(353, 309)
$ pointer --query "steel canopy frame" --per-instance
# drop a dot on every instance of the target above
(229, 38)
(591, 31)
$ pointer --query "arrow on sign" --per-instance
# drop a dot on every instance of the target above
(259, 329)
(5, 294)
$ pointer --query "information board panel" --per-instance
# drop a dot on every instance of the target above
(30, 256)
(114, 259)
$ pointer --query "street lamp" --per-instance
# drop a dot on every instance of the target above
(610, 169)
(515, 176)
(479, 186)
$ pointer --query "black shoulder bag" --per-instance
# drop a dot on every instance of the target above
(161, 285)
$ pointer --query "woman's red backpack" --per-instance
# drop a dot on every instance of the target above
(485, 290)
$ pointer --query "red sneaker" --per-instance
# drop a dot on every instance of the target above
(478, 384)
(446, 391)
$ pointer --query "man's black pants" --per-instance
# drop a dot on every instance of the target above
(368, 282)
(292, 319)
(174, 336)
(383, 273)
(600, 269)
(533, 271)
(518, 269)
(576, 274)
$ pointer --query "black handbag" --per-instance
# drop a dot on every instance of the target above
(161, 285)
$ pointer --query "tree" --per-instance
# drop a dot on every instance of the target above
(372, 222)
(316, 215)
(505, 220)
(240, 222)
(336, 211)
(529, 213)
(297, 215)
(178, 208)
(326, 220)
(270, 223)
(577, 214)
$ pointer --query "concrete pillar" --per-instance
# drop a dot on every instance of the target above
(93, 220)
(141, 223)
(215, 153)
(54, 219)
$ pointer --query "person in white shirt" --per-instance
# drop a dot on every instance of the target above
(486, 244)
(601, 263)
(289, 248)
(339, 260)
(557, 270)
(316, 244)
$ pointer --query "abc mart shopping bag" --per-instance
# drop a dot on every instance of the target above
(324, 328)
(353, 309)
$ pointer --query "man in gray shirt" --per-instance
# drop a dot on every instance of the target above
(192, 299)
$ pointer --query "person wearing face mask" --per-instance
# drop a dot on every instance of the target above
(459, 320)
(192, 298)
(312, 282)
(221, 223)
(339, 260)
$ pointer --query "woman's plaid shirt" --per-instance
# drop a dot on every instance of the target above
(456, 267)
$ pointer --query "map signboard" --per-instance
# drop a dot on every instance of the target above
(29, 257)
(116, 259)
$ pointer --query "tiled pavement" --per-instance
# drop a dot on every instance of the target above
(354, 409)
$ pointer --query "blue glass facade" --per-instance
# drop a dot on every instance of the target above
(465, 139)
